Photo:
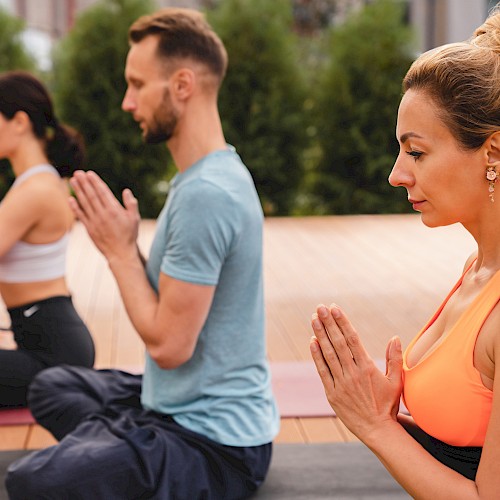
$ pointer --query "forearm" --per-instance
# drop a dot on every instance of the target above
(418, 472)
(170, 321)
(138, 296)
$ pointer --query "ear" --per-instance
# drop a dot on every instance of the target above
(21, 121)
(183, 83)
(493, 149)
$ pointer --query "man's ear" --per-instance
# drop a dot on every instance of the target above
(493, 149)
(183, 83)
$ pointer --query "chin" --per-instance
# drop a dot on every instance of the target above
(430, 221)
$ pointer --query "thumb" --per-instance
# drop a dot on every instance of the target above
(394, 360)
(130, 201)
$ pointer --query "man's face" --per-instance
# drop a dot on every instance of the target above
(148, 97)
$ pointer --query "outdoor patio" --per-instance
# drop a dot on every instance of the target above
(388, 272)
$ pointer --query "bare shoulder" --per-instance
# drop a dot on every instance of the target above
(487, 350)
(39, 204)
(43, 191)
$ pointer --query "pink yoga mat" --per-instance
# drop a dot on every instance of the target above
(296, 386)
(299, 392)
(18, 416)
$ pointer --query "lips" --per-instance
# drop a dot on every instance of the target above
(416, 204)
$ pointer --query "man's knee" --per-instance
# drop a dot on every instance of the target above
(57, 401)
(43, 386)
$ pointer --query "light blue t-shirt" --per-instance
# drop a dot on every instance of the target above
(210, 233)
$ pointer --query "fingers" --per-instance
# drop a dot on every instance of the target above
(394, 360)
(130, 203)
(76, 208)
(324, 343)
(342, 335)
(321, 366)
(93, 195)
(349, 336)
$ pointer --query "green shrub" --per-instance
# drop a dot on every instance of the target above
(262, 98)
(89, 87)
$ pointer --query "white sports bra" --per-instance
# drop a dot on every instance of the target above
(28, 262)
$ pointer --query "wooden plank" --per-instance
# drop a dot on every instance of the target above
(39, 437)
(13, 437)
(290, 432)
(323, 430)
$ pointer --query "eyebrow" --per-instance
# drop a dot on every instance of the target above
(407, 135)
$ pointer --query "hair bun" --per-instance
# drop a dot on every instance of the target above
(487, 36)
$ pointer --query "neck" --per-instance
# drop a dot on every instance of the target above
(487, 236)
(198, 134)
(27, 156)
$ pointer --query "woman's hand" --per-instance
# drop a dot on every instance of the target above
(361, 395)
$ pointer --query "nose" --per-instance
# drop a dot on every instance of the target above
(400, 175)
(128, 103)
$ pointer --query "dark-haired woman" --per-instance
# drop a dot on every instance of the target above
(35, 220)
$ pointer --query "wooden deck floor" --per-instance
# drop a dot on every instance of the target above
(388, 272)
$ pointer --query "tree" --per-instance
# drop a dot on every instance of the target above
(89, 86)
(262, 98)
(13, 55)
(356, 112)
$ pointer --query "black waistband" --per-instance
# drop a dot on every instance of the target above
(57, 299)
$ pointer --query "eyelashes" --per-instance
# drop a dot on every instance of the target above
(414, 154)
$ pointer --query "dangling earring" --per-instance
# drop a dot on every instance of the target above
(491, 176)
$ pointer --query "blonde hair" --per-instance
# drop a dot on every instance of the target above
(183, 34)
(463, 79)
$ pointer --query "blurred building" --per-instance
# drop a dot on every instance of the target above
(55, 17)
(49, 20)
(436, 21)
(444, 21)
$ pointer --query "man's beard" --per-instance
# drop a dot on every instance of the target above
(163, 123)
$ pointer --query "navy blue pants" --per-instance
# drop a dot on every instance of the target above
(112, 448)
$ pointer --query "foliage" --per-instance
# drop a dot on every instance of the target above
(356, 112)
(13, 55)
(89, 87)
(263, 96)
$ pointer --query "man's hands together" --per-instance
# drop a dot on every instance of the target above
(112, 227)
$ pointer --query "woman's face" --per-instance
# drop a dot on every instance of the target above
(445, 183)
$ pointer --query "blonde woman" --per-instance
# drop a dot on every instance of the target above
(449, 162)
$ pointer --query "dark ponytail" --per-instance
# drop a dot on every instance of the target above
(65, 149)
(21, 91)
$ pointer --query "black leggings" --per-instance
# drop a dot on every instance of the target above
(47, 333)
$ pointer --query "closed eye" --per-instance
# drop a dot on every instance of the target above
(415, 154)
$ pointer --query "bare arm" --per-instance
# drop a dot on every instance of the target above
(366, 401)
(169, 322)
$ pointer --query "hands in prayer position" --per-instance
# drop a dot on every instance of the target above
(112, 227)
(361, 395)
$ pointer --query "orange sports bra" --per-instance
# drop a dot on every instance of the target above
(444, 392)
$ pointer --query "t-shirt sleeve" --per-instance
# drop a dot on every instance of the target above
(201, 233)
